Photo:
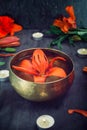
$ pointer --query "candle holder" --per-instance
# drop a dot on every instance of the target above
(4, 75)
(45, 122)
(82, 52)
(37, 35)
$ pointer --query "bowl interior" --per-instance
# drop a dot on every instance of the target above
(50, 53)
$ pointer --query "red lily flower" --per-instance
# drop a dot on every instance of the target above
(64, 23)
(40, 67)
(7, 26)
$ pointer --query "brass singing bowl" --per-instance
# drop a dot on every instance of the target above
(41, 91)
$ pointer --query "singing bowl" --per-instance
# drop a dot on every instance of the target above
(41, 91)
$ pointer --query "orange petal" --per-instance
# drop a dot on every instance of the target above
(70, 11)
(25, 66)
(57, 71)
(15, 28)
(3, 33)
(58, 23)
(67, 25)
(80, 111)
(28, 71)
(55, 59)
(39, 61)
(6, 55)
(39, 79)
(12, 44)
(62, 25)
(71, 22)
(9, 39)
(6, 19)
(65, 29)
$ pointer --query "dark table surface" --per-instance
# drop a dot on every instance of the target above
(16, 113)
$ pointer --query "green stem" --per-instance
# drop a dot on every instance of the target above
(63, 37)
(79, 32)
(59, 40)
(2, 63)
(8, 49)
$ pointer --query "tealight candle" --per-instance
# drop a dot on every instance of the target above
(4, 74)
(82, 52)
(45, 122)
(37, 35)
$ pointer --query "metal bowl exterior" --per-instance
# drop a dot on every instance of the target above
(40, 91)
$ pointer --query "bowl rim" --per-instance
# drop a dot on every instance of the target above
(51, 82)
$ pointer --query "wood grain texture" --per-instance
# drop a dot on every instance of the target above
(41, 13)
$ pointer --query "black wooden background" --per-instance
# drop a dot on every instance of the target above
(41, 13)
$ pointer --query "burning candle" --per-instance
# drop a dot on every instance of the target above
(4, 74)
(45, 122)
(37, 35)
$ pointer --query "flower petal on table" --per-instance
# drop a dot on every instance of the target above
(58, 23)
(12, 44)
(15, 28)
(80, 111)
(62, 25)
(3, 33)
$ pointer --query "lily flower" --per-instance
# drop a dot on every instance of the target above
(7, 26)
(65, 28)
(40, 67)
(64, 23)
